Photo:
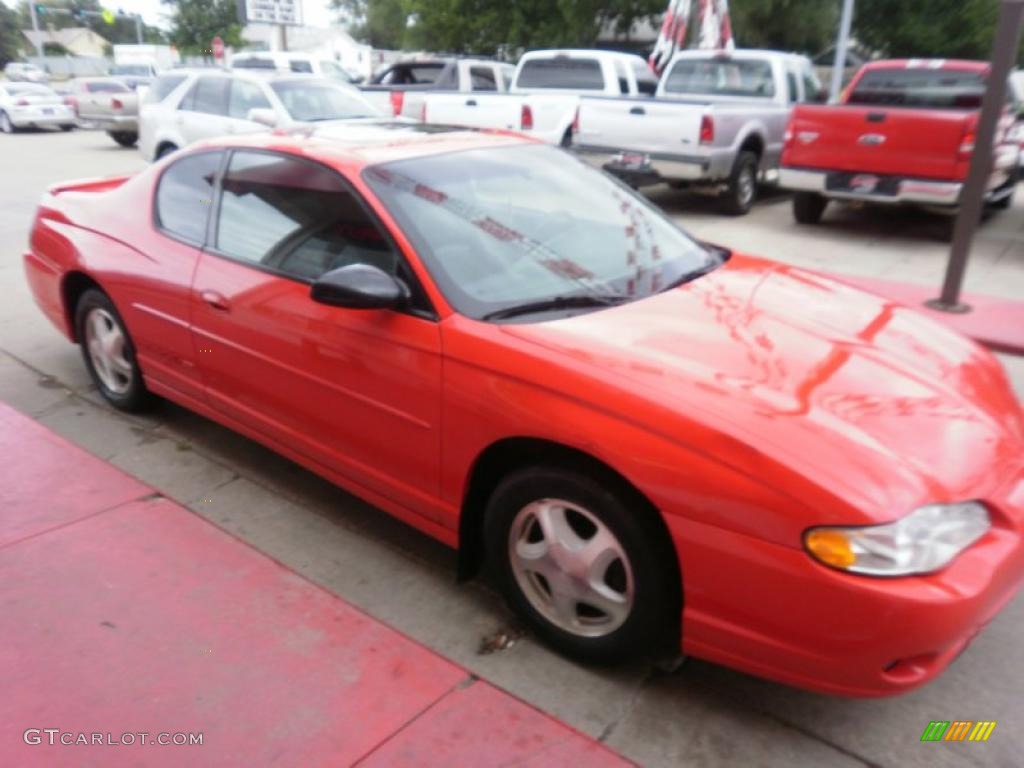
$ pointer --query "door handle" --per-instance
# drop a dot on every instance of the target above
(638, 111)
(215, 300)
(470, 102)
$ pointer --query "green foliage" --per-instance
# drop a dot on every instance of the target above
(55, 49)
(121, 31)
(11, 40)
(197, 22)
(801, 26)
(381, 23)
(927, 28)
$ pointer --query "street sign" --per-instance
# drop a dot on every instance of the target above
(217, 46)
(287, 12)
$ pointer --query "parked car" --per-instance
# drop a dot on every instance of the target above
(403, 86)
(107, 103)
(24, 72)
(903, 133)
(135, 76)
(186, 106)
(717, 121)
(655, 444)
(30, 105)
(297, 63)
(544, 93)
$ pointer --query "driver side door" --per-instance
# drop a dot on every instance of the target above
(356, 391)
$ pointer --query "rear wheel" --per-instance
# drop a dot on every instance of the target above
(125, 138)
(6, 126)
(68, 127)
(1007, 190)
(741, 191)
(808, 207)
(574, 558)
(108, 352)
(165, 150)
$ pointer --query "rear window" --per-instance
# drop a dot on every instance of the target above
(721, 77)
(107, 88)
(301, 65)
(562, 72)
(426, 73)
(162, 87)
(184, 196)
(931, 88)
(254, 62)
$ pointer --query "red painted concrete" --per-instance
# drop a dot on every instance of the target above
(996, 323)
(127, 616)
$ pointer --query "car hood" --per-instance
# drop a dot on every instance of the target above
(851, 391)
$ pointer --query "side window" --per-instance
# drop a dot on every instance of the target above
(163, 86)
(792, 88)
(812, 85)
(209, 95)
(297, 218)
(245, 96)
(301, 65)
(482, 79)
(184, 196)
(646, 82)
(623, 77)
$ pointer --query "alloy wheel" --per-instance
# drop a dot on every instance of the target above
(105, 341)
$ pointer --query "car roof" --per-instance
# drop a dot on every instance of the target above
(354, 146)
(963, 65)
(593, 53)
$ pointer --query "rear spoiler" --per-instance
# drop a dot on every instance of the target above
(88, 185)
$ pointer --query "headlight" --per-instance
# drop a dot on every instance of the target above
(922, 542)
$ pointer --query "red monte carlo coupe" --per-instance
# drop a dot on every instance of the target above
(656, 445)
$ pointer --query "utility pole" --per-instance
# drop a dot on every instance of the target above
(839, 65)
(35, 29)
(138, 28)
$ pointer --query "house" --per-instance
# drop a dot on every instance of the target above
(78, 41)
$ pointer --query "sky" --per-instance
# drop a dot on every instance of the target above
(316, 13)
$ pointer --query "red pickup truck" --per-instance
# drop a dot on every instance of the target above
(903, 133)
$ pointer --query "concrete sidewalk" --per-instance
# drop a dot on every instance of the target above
(125, 614)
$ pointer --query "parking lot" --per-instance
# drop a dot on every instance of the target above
(701, 714)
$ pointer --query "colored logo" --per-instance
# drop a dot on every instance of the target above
(958, 730)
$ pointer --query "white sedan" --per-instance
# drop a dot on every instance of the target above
(24, 105)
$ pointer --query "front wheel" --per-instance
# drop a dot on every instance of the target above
(578, 564)
(741, 191)
(6, 126)
(109, 352)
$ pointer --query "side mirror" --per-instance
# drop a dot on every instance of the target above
(359, 286)
(263, 116)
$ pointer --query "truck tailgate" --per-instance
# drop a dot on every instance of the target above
(881, 140)
(639, 125)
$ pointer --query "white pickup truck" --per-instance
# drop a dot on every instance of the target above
(545, 93)
(717, 120)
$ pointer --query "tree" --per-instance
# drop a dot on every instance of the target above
(927, 28)
(197, 22)
(804, 26)
(381, 23)
(121, 31)
(11, 40)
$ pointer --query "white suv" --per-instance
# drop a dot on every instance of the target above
(185, 106)
(295, 63)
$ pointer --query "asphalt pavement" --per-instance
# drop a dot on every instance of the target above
(700, 715)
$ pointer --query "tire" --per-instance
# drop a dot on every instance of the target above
(741, 191)
(1006, 202)
(109, 353)
(68, 127)
(165, 150)
(808, 207)
(632, 611)
(6, 126)
(125, 138)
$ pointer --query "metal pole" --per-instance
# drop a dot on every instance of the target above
(1004, 55)
(35, 29)
(839, 64)
(138, 29)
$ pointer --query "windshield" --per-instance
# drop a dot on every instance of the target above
(311, 102)
(721, 77)
(517, 225)
(930, 88)
(131, 69)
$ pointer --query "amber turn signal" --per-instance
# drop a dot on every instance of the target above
(831, 547)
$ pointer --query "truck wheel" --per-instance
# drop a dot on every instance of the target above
(808, 207)
(742, 190)
(68, 127)
(1007, 200)
(579, 564)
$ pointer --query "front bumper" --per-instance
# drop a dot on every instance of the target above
(644, 169)
(887, 190)
(772, 611)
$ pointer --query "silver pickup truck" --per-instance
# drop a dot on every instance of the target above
(716, 121)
